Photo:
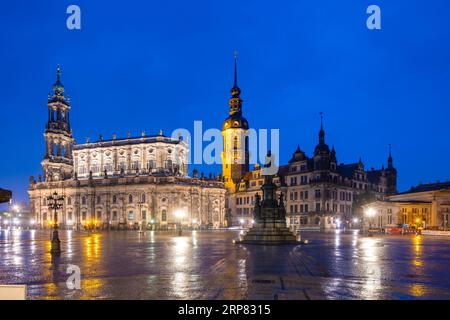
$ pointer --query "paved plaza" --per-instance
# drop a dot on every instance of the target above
(208, 265)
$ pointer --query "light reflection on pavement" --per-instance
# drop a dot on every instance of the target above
(207, 265)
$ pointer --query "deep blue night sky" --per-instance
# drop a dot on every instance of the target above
(145, 65)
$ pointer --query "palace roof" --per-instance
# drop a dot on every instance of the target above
(127, 141)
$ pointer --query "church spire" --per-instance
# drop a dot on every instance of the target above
(58, 88)
(58, 163)
(321, 132)
(58, 74)
(235, 70)
(235, 100)
(390, 161)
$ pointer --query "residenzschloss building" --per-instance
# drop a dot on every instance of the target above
(135, 182)
(319, 191)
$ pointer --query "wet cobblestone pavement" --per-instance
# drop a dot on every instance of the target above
(207, 265)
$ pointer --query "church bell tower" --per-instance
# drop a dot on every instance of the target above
(58, 163)
(235, 155)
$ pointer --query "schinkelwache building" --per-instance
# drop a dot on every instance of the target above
(319, 191)
(135, 182)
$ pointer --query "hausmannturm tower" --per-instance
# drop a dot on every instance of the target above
(235, 156)
(57, 163)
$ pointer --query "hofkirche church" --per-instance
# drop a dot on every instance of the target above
(120, 183)
(143, 181)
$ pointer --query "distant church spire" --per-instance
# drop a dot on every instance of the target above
(390, 161)
(321, 132)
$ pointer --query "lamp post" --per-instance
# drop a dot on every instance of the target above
(370, 213)
(179, 214)
(152, 224)
(55, 203)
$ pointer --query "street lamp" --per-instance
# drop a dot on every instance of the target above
(16, 209)
(370, 213)
(55, 203)
(179, 214)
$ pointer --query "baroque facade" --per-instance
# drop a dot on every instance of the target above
(136, 182)
(318, 191)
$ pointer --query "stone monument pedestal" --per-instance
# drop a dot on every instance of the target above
(275, 232)
(270, 219)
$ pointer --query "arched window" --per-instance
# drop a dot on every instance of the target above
(63, 150)
(151, 164)
(99, 199)
(114, 199)
(69, 201)
(130, 199)
(83, 200)
(143, 198)
(44, 216)
(164, 215)
(44, 201)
